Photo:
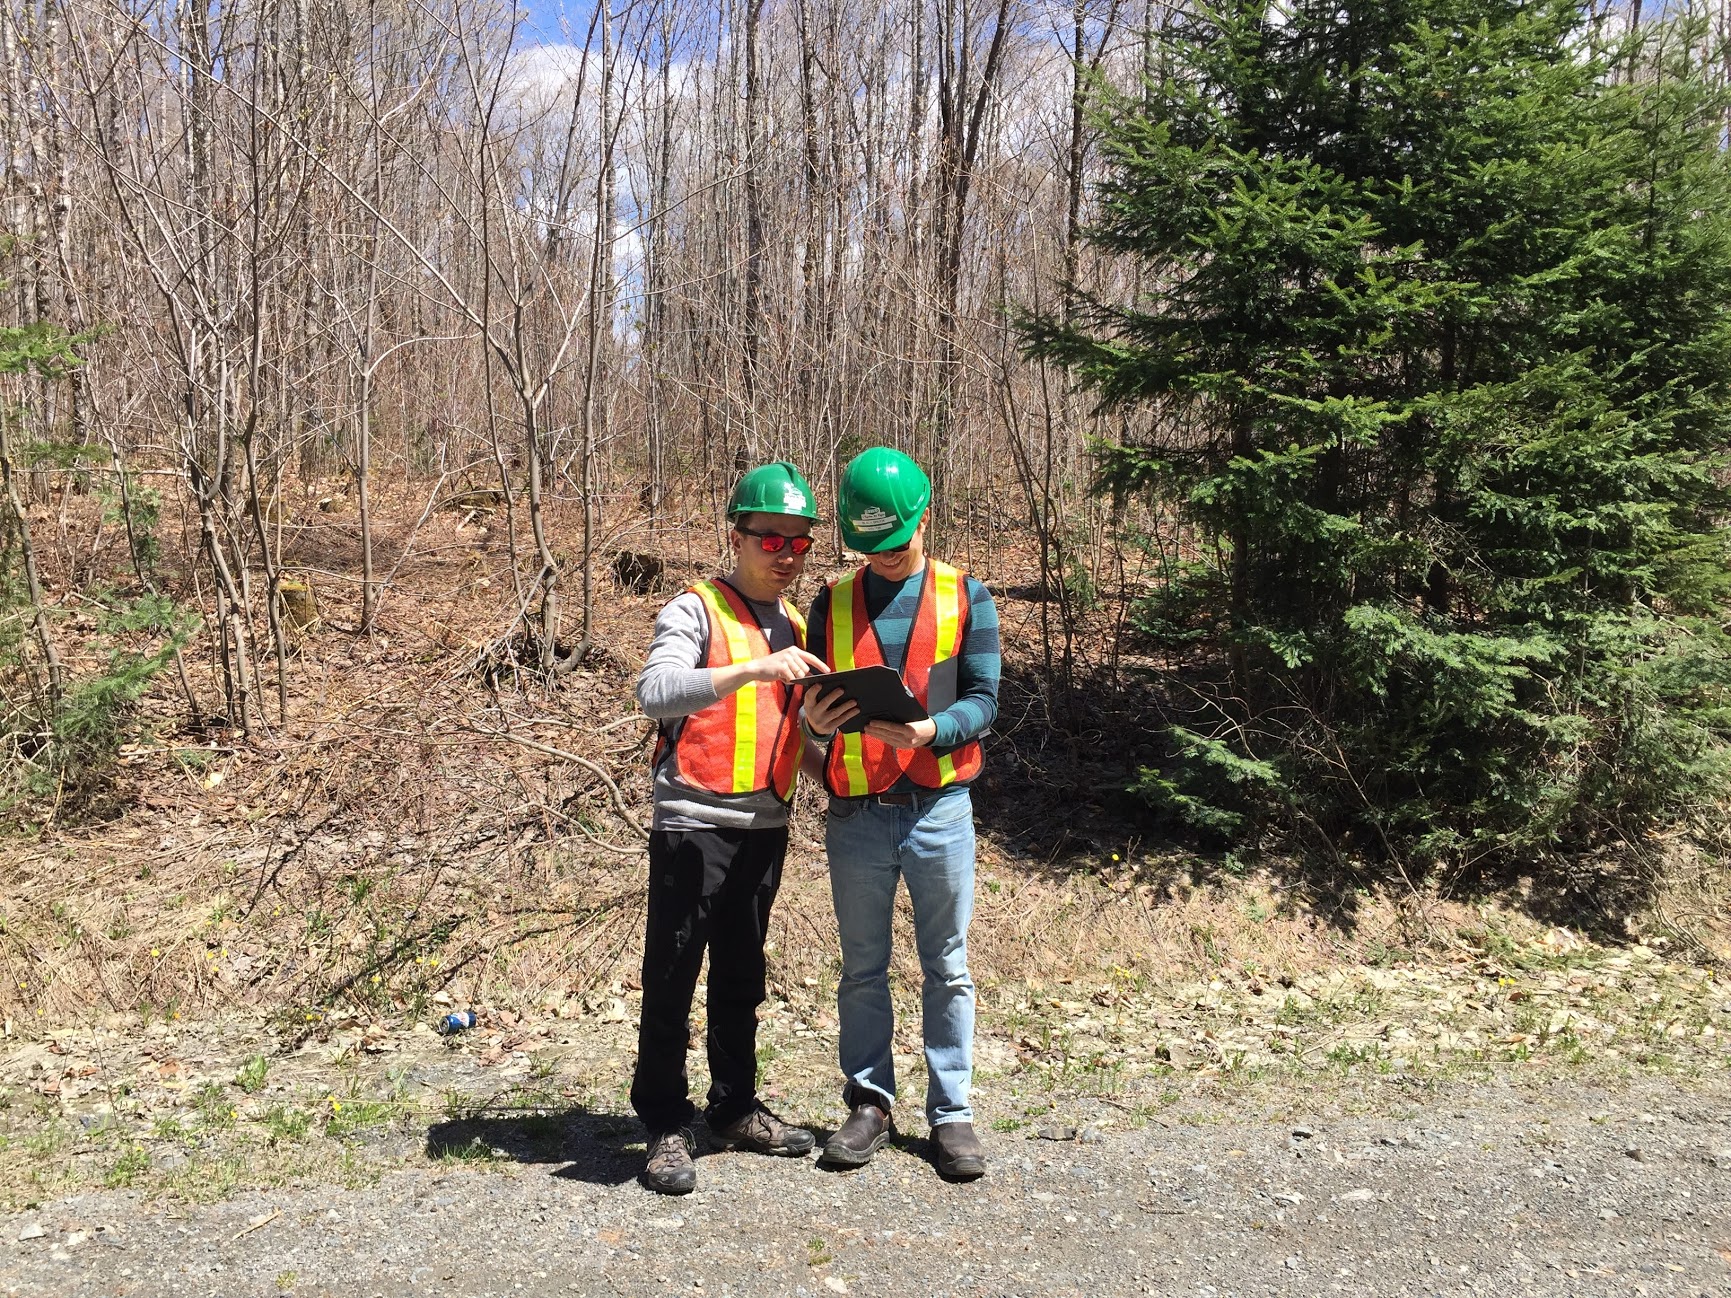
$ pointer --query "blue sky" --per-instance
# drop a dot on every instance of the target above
(544, 26)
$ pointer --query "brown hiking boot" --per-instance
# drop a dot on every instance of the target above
(763, 1133)
(861, 1136)
(958, 1151)
(670, 1169)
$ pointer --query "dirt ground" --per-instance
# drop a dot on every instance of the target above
(1198, 1073)
(465, 1168)
(1085, 989)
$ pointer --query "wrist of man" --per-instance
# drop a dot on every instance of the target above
(813, 735)
(940, 724)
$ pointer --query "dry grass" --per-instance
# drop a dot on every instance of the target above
(382, 844)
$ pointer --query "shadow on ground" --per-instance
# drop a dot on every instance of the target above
(1059, 789)
(600, 1148)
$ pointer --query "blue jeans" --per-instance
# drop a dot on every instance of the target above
(930, 845)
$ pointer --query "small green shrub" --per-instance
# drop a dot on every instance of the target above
(133, 1163)
(252, 1074)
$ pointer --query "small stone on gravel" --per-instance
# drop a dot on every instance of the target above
(1091, 1136)
(1055, 1131)
(33, 1231)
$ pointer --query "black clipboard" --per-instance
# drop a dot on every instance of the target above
(881, 693)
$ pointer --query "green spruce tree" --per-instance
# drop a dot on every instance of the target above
(1437, 332)
(60, 729)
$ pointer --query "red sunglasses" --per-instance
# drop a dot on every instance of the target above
(772, 542)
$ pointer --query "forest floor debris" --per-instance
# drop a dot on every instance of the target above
(203, 1109)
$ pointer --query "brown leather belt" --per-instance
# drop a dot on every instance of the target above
(903, 799)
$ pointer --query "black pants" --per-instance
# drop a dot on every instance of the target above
(708, 888)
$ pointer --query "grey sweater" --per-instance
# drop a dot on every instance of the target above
(674, 684)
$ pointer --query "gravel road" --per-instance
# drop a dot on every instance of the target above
(1446, 1188)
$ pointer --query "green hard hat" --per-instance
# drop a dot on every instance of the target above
(882, 497)
(776, 488)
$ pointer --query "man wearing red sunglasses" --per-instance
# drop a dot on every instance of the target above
(776, 542)
(718, 680)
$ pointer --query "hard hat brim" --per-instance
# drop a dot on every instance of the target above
(767, 490)
(878, 542)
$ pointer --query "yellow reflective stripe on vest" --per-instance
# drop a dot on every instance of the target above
(745, 700)
(841, 619)
(947, 595)
(798, 620)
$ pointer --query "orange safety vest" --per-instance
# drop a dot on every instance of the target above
(858, 764)
(749, 741)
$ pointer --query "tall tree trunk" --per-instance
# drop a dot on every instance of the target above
(752, 322)
(964, 96)
(600, 314)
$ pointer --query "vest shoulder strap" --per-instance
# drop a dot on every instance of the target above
(796, 618)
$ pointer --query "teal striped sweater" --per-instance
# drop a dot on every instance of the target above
(891, 607)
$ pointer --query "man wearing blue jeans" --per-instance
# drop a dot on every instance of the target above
(899, 803)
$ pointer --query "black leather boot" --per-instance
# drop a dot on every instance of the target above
(861, 1136)
(958, 1151)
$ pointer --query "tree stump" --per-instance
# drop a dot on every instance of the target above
(641, 574)
(300, 609)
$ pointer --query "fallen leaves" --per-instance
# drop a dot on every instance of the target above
(1560, 941)
(1391, 1019)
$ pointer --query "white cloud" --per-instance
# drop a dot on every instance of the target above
(541, 77)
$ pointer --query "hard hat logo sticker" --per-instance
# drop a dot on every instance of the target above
(792, 496)
(874, 519)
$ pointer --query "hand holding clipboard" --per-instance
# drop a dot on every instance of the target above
(872, 699)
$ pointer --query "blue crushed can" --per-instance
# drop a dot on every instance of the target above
(461, 1021)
